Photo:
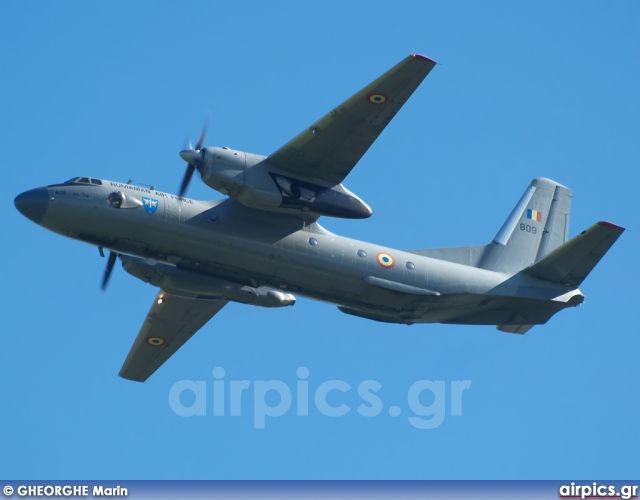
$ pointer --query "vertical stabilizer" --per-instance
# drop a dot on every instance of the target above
(538, 224)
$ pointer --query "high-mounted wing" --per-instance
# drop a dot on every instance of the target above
(171, 321)
(332, 146)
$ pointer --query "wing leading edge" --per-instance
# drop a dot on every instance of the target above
(171, 321)
(332, 146)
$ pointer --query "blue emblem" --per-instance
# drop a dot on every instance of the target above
(150, 205)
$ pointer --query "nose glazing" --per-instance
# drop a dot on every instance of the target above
(33, 204)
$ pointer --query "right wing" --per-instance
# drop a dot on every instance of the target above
(171, 321)
(332, 146)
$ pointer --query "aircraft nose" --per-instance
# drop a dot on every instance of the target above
(33, 203)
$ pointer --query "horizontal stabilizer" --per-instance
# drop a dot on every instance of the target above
(571, 263)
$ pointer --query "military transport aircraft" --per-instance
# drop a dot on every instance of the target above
(263, 243)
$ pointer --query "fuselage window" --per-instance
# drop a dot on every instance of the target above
(362, 253)
(411, 266)
(313, 242)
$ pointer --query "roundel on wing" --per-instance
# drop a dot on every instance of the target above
(155, 341)
(385, 260)
(377, 98)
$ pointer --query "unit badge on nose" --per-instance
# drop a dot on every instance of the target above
(150, 205)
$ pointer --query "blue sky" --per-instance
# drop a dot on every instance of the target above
(522, 90)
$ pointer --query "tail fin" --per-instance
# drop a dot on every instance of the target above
(538, 224)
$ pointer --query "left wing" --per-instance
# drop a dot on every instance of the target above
(171, 321)
(332, 146)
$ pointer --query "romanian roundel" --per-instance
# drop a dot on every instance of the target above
(385, 260)
(155, 341)
(377, 98)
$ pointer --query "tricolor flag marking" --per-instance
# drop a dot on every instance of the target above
(534, 215)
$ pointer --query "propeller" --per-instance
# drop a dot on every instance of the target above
(193, 157)
(107, 272)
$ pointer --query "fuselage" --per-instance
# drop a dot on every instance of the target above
(224, 239)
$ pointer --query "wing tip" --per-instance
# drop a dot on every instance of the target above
(420, 56)
(610, 224)
(128, 376)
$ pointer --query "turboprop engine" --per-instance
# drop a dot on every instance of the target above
(254, 182)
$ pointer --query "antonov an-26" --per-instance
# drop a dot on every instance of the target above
(263, 243)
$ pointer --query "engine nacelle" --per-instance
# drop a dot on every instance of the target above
(188, 284)
(223, 170)
(254, 182)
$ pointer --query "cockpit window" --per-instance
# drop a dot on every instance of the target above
(83, 180)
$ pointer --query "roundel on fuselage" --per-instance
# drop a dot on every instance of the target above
(385, 260)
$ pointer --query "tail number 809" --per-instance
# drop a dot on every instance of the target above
(528, 228)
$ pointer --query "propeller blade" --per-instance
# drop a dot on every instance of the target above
(203, 132)
(107, 272)
(187, 177)
(193, 157)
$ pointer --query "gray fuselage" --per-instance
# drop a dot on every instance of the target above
(224, 239)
